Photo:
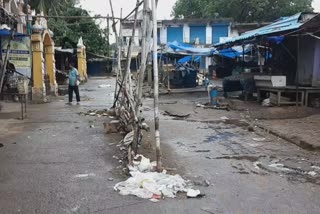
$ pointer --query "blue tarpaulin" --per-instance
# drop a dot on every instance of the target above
(189, 59)
(235, 51)
(185, 59)
(189, 50)
(4, 32)
(276, 39)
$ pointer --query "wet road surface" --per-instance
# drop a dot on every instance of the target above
(56, 163)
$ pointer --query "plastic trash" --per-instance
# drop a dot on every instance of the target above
(259, 139)
(146, 184)
(104, 86)
(193, 193)
(312, 173)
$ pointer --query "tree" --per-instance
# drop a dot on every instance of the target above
(49, 6)
(240, 10)
(68, 31)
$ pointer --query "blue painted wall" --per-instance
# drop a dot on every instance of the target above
(175, 34)
(218, 31)
(198, 32)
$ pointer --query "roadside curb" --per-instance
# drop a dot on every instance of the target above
(290, 138)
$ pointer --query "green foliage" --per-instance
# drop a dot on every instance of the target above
(240, 10)
(68, 31)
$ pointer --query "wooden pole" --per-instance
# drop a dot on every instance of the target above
(144, 53)
(129, 55)
(4, 64)
(156, 85)
(108, 37)
(120, 42)
(117, 42)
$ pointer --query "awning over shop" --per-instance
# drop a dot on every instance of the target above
(284, 24)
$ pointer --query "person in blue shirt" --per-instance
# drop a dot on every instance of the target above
(74, 80)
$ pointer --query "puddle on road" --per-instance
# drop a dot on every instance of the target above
(222, 136)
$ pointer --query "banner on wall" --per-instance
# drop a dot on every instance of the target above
(20, 53)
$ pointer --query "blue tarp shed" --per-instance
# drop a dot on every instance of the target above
(282, 25)
(189, 50)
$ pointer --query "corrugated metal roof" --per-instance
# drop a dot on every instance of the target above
(282, 25)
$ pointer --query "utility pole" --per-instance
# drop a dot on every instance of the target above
(156, 85)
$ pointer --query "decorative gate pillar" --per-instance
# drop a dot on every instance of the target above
(51, 69)
(39, 89)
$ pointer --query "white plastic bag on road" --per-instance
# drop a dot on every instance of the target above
(151, 185)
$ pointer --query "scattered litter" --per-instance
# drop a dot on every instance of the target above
(172, 114)
(85, 175)
(279, 166)
(200, 105)
(152, 185)
(91, 126)
(312, 173)
(254, 144)
(115, 157)
(202, 151)
(193, 193)
(256, 165)
(224, 118)
(154, 200)
(110, 179)
(95, 113)
(266, 103)
(75, 209)
(143, 164)
(259, 139)
(104, 86)
(120, 161)
(204, 183)
(316, 167)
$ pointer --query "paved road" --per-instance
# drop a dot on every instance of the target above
(55, 163)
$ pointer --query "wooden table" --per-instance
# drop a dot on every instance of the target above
(280, 90)
(310, 90)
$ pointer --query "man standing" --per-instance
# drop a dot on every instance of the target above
(74, 80)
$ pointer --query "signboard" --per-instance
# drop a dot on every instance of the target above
(20, 53)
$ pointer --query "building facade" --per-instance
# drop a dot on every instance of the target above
(197, 32)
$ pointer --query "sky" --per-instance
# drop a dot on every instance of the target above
(102, 7)
(164, 8)
(316, 5)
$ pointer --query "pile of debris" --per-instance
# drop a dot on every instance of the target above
(147, 184)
